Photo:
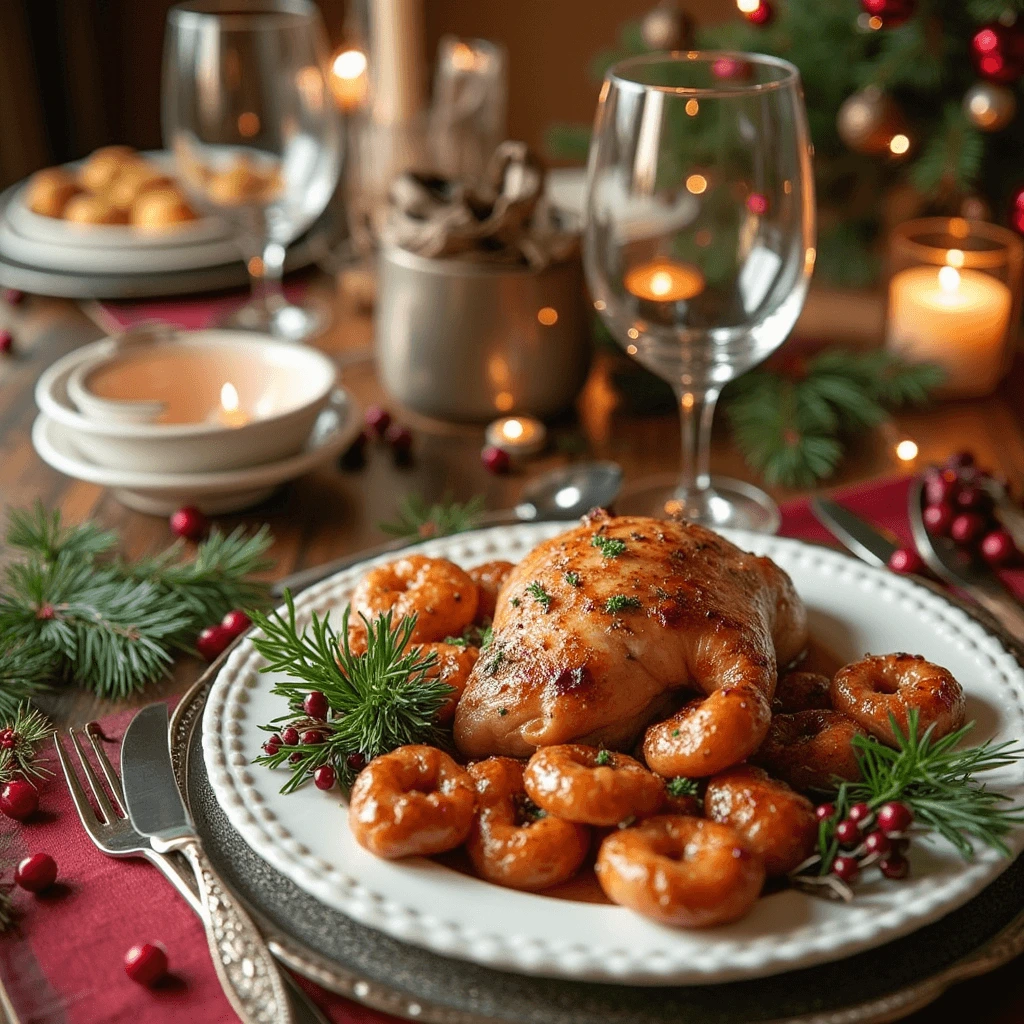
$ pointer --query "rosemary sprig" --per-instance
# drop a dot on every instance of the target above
(20, 734)
(378, 700)
(417, 519)
(611, 547)
(936, 781)
(540, 595)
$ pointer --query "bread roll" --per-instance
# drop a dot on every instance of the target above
(133, 181)
(50, 190)
(86, 209)
(99, 171)
(161, 208)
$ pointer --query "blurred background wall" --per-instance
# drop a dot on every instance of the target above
(77, 74)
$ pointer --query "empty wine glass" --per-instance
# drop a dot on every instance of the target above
(699, 243)
(254, 131)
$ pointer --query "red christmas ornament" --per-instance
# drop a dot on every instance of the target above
(146, 964)
(190, 523)
(236, 622)
(36, 873)
(6, 342)
(495, 460)
(998, 52)
(19, 799)
(729, 68)
(757, 204)
(212, 641)
(762, 14)
(890, 12)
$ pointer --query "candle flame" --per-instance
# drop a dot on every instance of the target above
(229, 397)
(349, 64)
(949, 279)
(513, 430)
(955, 258)
(661, 283)
(906, 450)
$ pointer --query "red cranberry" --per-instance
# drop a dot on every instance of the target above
(967, 527)
(8, 739)
(312, 736)
(894, 817)
(315, 705)
(937, 519)
(212, 642)
(296, 757)
(190, 523)
(272, 745)
(357, 762)
(19, 799)
(146, 964)
(324, 777)
(846, 868)
(495, 460)
(400, 438)
(377, 420)
(14, 296)
(859, 813)
(824, 811)
(940, 488)
(290, 736)
(236, 622)
(895, 866)
(998, 547)
(877, 842)
(36, 873)
(6, 342)
(848, 832)
(354, 457)
(973, 499)
(906, 562)
(960, 460)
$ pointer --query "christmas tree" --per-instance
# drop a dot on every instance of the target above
(912, 106)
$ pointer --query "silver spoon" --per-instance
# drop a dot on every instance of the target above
(561, 494)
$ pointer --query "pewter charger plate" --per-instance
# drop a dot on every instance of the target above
(328, 947)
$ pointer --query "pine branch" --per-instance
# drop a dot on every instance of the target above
(418, 519)
(20, 734)
(41, 533)
(951, 160)
(25, 673)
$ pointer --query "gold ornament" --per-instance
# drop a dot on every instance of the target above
(989, 107)
(666, 27)
(868, 121)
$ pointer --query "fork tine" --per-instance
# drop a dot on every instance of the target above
(113, 779)
(89, 819)
(106, 807)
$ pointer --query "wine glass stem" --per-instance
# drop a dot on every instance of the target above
(266, 273)
(697, 411)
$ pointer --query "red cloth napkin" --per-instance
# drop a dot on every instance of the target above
(64, 962)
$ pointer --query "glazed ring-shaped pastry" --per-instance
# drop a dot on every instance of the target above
(811, 750)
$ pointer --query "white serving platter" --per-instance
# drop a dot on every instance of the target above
(854, 609)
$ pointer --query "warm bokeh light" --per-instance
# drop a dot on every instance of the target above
(503, 401)
(512, 429)
(949, 279)
(899, 144)
(747, 6)
(696, 184)
(692, 108)
(349, 79)
(633, 333)
(661, 283)
(248, 124)
(599, 304)
(547, 316)
(463, 57)
(906, 450)
(875, 23)
(349, 64)
(955, 258)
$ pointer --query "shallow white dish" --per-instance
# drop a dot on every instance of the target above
(200, 446)
(853, 609)
(213, 493)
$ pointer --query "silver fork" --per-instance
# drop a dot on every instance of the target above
(113, 833)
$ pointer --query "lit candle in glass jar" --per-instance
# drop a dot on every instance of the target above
(517, 435)
(349, 79)
(664, 281)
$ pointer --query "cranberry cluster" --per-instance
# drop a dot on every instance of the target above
(379, 426)
(959, 506)
(869, 837)
(213, 640)
(305, 732)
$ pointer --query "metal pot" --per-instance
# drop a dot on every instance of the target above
(469, 341)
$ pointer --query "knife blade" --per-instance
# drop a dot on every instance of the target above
(867, 542)
(247, 972)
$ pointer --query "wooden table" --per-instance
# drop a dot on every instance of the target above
(334, 512)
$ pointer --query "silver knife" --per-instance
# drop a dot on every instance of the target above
(247, 972)
(963, 570)
(861, 538)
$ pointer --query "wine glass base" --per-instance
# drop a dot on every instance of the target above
(730, 503)
(286, 321)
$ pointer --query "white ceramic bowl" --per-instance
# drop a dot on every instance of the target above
(282, 388)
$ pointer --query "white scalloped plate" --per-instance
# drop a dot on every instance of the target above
(854, 609)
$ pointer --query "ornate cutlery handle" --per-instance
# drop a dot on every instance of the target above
(247, 972)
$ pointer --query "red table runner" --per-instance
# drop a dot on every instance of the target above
(63, 962)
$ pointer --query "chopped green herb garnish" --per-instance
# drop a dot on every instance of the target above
(603, 757)
(611, 547)
(540, 595)
(573, 579)
(503, 712)
(456, 641)
(675, 732)
(514, 601)
(499, 657)
(621, 603)
(486, 637)
(681, 786)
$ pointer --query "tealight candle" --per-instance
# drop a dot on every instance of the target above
(349, 79)
(230, 413)
(518, 435)
(955, 318)
(664, 280)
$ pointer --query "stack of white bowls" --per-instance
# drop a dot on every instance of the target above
(216, 419)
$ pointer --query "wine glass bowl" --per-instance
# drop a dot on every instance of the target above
(249, 117)
(699, 241)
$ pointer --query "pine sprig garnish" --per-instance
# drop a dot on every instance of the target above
(20, 734)
(378, 700)
(937, 781)
(70, 611)
(418, 519)
(792, 425)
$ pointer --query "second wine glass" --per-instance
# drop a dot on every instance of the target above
(699, 243)
(255, 134)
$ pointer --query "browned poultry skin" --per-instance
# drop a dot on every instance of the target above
(695, 613)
